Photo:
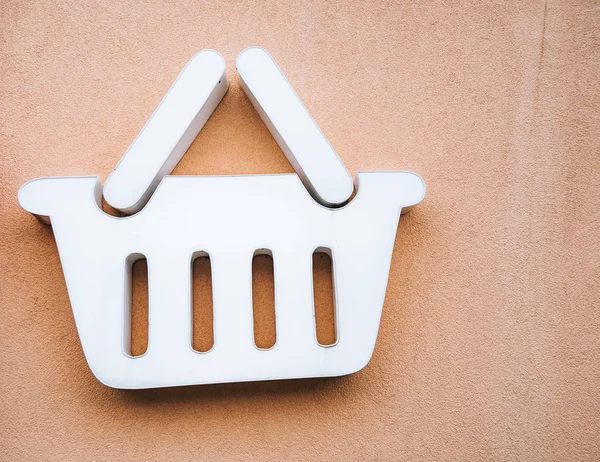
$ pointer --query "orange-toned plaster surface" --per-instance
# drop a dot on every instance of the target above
(490, 335)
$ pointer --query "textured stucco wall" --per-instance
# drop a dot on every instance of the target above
(489, 341)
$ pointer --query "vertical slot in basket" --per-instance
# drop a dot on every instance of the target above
(324, 297)
(136, 307)
(263, 300)
(202, 303)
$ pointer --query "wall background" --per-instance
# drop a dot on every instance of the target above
(489, 342)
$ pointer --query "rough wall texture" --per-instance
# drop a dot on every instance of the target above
(489, 342)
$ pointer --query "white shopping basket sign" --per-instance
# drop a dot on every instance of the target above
(173, 219)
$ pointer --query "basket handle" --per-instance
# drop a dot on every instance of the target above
(297, 134)
(190, 102)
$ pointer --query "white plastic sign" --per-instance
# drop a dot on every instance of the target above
(230, 218)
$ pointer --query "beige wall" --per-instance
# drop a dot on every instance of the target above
(489, 340)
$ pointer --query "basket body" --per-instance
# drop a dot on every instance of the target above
(229, 218)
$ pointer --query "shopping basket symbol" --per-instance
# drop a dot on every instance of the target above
(173, 219)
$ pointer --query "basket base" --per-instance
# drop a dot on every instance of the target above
(229, 218)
